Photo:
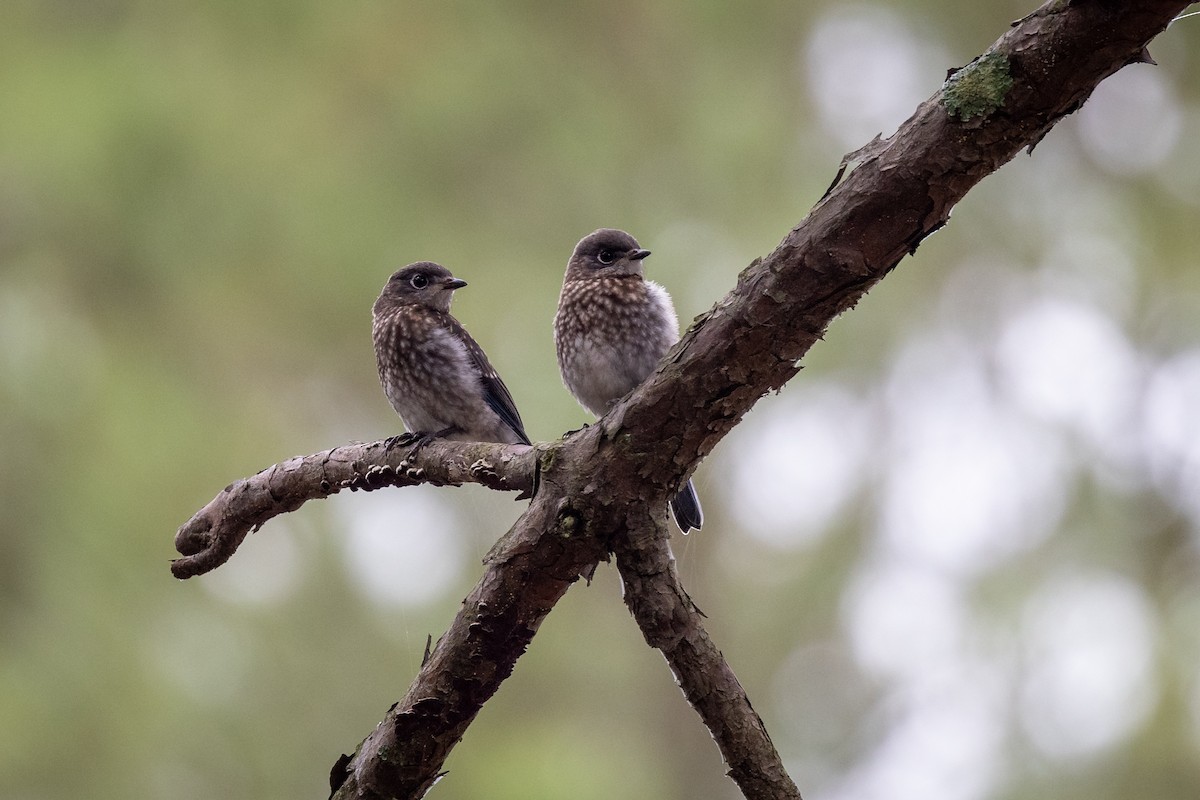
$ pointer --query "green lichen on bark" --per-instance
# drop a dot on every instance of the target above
(979, 88)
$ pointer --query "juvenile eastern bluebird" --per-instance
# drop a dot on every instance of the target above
(433, 373)
(611, 330)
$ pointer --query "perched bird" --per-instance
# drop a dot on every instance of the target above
(611, 329)
(433, 373)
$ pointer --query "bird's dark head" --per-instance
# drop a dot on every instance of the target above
(606, 253)
(421, 284)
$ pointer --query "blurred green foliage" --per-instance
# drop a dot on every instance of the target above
(198, 205)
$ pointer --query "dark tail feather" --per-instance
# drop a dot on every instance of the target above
(686, 509)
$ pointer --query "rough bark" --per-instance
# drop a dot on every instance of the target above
(902, 190)
(672, 624)
(604, 489)
(527, 572)
(213, 534)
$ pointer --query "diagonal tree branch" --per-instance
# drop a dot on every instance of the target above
(604, 489)
(902, 190)
(671, 623)
(528, 570)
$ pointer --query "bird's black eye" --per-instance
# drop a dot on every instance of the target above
(418, 281)
(606, 256)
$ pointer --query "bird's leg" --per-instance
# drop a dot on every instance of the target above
(417, 440)
(401, 440)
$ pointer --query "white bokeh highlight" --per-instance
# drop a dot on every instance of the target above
(1071, 366)
(944, 738)
(798, 464)
(902, 620)
(1132, 122)
(969, 483)
(1088, 682)
(1171, 420)
(404, 547)
(866, 70)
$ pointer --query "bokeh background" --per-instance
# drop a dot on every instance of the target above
(956, 557)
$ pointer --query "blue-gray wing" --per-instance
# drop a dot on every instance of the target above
(495, 393)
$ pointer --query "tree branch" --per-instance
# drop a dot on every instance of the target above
(528, 570)
(902, 190)
(671, 623)
(605, 487)
(215, 532)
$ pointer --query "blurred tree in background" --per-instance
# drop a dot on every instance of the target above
(958, 557)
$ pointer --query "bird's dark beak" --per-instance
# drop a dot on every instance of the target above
(453, 283)
(638, 255)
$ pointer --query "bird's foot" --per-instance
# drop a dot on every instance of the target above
(401, 440)
(417, 440)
